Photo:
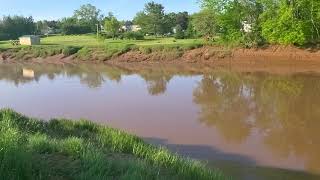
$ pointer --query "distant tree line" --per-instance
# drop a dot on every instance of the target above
(11, 27)
(84, 20)
(152, 21)
(240, 22)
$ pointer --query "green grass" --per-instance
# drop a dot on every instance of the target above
(64, 149)
(28, 52)
(5, 45)
(92, 41)
(97, 48)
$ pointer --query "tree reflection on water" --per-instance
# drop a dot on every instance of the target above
(285, 110)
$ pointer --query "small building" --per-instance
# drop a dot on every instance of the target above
(133, 28)
(29, 40)
(28, 73)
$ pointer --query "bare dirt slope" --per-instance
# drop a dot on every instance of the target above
(275, 59)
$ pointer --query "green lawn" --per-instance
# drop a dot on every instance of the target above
(92, 41)
(5, 44)
(88, 47)
(62, 149)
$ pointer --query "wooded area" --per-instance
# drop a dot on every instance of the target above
(249, 23)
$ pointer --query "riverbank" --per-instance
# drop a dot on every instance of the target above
(190, 54)
(63, 149)
(275, 59)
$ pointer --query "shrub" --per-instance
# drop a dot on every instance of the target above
(41, 143)
(179, 33)
(253, 39)
(192, 46)
(133, 35)
(104, 35)
(72, 26)
(72, 146)
(157, 48)
(84, 53)
(70, 50)
(117, 50)
(145, 50)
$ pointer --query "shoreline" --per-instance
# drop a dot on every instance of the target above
(275, 59)
(110, 76)
(86, 151)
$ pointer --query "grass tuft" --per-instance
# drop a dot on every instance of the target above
(70, 50)
(63, 149)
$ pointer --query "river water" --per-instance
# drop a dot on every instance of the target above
(250, 125)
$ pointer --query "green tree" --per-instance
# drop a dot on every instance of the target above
(276, 21)
(176, 20)
(182, 19)
(220, 16)
(112, 26)
(205, 24)
(12, 27)
(42, 27)
(291, 22)
(83, 21)
(88, 15)
(72, 26)
(169, 22)
(190, 31)
(151, 19)
(233, 15)
(47, 27)
(179, 32)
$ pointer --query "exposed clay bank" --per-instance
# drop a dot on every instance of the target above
(251, 125)
(275, 59)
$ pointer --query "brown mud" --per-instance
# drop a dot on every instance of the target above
(275, 59)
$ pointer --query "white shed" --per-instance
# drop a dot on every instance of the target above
(28, 73)
(29, 40)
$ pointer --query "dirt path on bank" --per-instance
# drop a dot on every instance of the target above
(273, 59)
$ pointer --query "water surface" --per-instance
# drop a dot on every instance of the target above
(251, 125)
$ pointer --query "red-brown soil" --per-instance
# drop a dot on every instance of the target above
(274, 59)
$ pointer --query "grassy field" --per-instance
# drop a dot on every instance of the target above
(63, 149)
(92, 41)
(90, 47)
(5, 45)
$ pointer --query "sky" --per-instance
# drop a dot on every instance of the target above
(56, 9)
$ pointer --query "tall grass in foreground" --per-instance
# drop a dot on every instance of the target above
(62, 149)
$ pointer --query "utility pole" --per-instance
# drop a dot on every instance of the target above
(97, 30)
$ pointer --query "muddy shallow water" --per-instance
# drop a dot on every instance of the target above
(250, 125)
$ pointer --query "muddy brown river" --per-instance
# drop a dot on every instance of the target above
(250, 125)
